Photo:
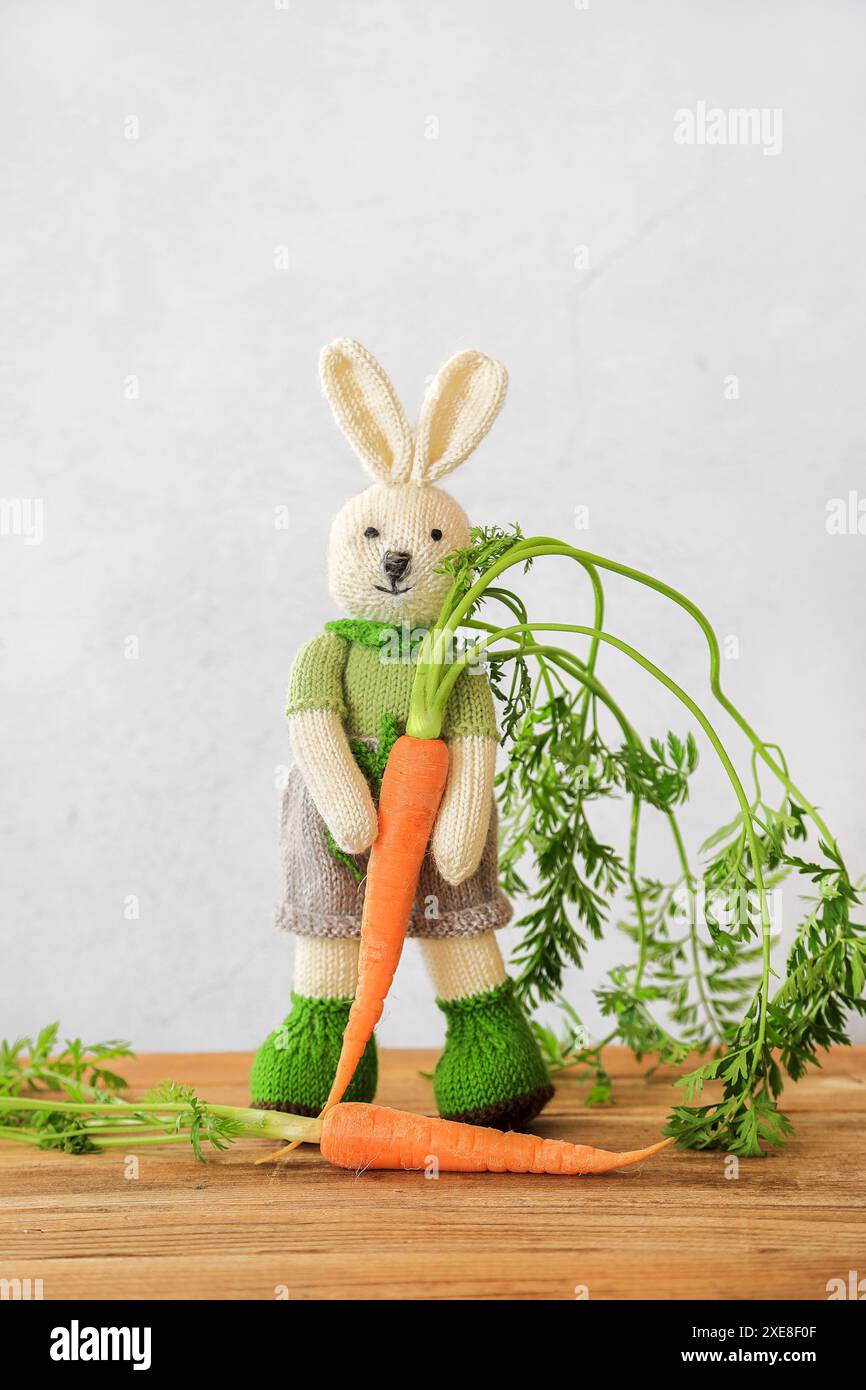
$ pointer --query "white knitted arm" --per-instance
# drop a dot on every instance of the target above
(464, 815)
(334, 780)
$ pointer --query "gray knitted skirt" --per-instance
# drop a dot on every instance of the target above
(322, 897)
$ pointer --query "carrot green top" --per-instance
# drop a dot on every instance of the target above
(361, 677)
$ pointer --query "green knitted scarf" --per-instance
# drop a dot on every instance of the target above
(369, 633)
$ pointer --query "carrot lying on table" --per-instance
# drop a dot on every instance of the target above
(359, 1136)
(412, 788)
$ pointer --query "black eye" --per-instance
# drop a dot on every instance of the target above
(371, 533)
(435, 534)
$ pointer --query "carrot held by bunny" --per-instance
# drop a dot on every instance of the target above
(348, 706)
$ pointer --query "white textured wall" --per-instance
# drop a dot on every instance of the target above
(305, 127)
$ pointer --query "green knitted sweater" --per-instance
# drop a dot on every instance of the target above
(361, 681)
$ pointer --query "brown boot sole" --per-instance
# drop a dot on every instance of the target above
(516, 1113)
(286, 1109)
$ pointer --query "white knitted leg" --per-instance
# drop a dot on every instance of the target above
(325, 967)
(462, 966)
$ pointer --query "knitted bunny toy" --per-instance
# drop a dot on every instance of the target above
(348, 699)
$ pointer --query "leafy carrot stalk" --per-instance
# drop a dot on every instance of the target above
(412, 788)
(559, 763)
(351, 1135)
(169, 1114)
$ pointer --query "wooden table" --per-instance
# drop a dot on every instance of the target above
(679, 1226)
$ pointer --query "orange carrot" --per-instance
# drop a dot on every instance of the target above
(372, 1136)
(412, 788)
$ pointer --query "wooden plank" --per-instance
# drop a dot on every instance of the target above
(680, 1226)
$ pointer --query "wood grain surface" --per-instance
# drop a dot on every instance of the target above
(681, 1225)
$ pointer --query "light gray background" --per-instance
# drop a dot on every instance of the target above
(306, 127)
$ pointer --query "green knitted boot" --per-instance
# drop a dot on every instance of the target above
(491, 1071)
(294, 1068)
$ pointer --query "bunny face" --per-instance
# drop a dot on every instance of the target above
(386, 547)
(387, 544)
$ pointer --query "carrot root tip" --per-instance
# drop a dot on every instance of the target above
(280, 1153)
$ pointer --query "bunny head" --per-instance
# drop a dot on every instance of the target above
(387, 543)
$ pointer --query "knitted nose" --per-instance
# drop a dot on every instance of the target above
(395, 563)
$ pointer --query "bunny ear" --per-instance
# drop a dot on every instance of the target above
(458, 410)
(367, 410)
